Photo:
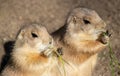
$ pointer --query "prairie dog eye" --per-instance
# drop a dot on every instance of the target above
(34, 35)
(86, 21)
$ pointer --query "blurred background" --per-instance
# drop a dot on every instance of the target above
(52, 14)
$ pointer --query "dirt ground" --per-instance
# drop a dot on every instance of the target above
(53, 13)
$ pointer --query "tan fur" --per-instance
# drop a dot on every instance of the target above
(80, 41)
(27, 58)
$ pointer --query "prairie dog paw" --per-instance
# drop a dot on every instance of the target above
(48, 52)
(104, 37)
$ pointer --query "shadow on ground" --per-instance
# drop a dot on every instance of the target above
(8, 47)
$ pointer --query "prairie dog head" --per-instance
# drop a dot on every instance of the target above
(85, 24)
(33, 49)
(35, 37)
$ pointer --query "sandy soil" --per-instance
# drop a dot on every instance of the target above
(53, 13)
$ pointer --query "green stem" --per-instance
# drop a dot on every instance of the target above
(62, 61)
(113, 60)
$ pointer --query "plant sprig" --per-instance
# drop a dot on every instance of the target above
(57, 52)
(113, 60)
(62, 61)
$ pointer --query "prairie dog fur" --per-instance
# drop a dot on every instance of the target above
(81, 39)
(27, 58)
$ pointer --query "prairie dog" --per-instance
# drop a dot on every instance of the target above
(81, 39)
(27, 58)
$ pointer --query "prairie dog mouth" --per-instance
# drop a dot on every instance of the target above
(45, 46)
(104, 37)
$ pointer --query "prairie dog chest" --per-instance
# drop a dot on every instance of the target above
(83, 69)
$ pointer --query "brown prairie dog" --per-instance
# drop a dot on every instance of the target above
(81, 39)
(27, 58)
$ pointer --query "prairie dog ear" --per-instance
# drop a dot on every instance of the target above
(21, 34)
(72, 19)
